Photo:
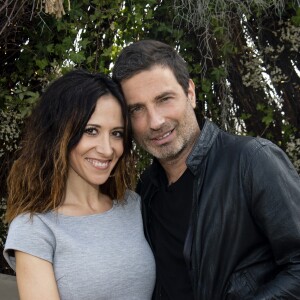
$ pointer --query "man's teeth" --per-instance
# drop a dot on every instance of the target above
(165, 135)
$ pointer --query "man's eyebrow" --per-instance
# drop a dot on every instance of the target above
(159, 96)
(130, 106)
(164, 94)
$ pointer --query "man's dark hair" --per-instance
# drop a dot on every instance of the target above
(143, 55)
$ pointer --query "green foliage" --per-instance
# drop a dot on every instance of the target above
(3, 228)
(268, 113)
(89, 36)
(296, 19)
(143, 160)
(229, 50)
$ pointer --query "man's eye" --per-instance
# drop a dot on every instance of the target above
(135, 110)
(91, 131)
(165, 99)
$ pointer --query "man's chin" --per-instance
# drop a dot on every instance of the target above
(164, 155)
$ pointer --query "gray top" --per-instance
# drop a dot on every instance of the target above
(101, 256)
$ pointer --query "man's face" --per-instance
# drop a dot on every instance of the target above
(162, 114)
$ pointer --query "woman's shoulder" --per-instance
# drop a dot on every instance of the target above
(24, 219)
(131, 201)
(132, 196)
(32, 220)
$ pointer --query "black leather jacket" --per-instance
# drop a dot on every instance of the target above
(244, 236)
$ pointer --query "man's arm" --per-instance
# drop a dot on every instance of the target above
(275, 203)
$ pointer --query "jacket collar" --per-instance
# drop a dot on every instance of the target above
(202, 146)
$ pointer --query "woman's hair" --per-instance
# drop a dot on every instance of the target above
(37, 179)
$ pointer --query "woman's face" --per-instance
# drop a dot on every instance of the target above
(101, 144)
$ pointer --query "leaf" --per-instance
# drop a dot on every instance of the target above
(42, 63)
(268, 119)
(206, 85)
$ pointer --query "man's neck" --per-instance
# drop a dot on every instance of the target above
(176, 167)
(174, 171)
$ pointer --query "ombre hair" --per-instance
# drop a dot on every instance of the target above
(37, 179)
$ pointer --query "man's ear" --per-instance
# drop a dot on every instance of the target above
(191, 93)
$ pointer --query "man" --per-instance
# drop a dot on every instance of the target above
(221, 212)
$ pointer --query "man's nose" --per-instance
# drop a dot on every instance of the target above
(155, 119)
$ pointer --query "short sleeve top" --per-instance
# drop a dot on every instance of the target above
(100, 256)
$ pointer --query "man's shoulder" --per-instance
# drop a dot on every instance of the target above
(243, 142)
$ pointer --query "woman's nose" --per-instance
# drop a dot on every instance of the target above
(104, 146)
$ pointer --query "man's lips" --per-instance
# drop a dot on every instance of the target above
(158, 138)
(162, 139)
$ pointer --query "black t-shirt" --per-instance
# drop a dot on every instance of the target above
(171, 208)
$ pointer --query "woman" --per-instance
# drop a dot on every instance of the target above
(76, 231)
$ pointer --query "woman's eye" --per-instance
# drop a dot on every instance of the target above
(118, 134)
(91, 131)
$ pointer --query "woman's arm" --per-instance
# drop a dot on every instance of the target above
(35, 278)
